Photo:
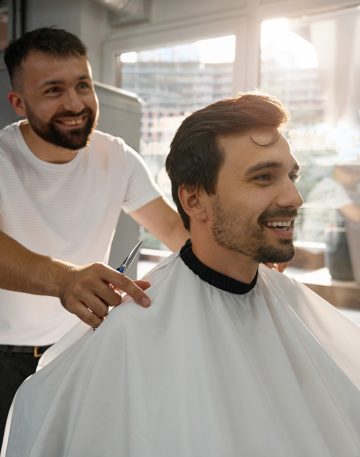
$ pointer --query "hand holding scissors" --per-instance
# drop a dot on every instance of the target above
(90, 291)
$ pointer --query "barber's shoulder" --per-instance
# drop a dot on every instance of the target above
(3, 135)
(104, 141)
(9, 130)
(105, 137)
(7, 136)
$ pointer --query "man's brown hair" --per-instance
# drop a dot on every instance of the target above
(195, 155)
(50, 40)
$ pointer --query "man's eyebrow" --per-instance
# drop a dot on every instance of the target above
(269, 164)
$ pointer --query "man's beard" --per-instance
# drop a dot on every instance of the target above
(232, 232)
(73, 139)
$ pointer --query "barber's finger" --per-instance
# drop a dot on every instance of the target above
(125, 284)
(142, 284)
(96, 305)
(107, 293)
(85, 314)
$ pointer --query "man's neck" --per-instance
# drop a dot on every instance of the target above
(44, 150)
(230, 263)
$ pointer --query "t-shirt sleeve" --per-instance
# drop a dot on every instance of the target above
(141, 187)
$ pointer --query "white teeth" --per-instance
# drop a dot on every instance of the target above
(281, 224)
(73, 122)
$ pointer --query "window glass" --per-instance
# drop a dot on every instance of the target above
(313, 65)
(173, 82)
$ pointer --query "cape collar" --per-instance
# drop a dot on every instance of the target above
(211, 276)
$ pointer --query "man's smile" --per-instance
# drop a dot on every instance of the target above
(279, 225)
(73, 122)
(283, 229)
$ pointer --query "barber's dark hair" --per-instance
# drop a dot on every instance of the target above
(195, 156)
(53, 41)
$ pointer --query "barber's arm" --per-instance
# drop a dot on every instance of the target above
(160, 219)
(86, 291)
(351, 212)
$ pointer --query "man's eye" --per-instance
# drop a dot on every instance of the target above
(264, 178)
(83, 85)
(53, 90)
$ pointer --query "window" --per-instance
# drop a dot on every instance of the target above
(312, 64)
(174, 82)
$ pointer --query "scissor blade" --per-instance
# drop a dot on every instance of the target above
(128, 261)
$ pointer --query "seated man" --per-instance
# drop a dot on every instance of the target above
(233, 358)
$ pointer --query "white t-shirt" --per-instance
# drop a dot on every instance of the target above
(68, 211)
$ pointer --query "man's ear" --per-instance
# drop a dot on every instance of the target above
(17, 103)
(193, 202)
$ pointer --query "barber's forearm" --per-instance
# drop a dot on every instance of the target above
(86, 291)
(351, 212)
(176, 238)
(25, 271)
(162, 221)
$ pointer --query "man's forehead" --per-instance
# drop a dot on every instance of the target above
(258, 145)
(46, 62)
(46, 66)
(252, 139)
(264, 136)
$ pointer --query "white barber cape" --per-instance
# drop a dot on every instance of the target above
(214, 368)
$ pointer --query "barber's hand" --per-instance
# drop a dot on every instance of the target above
(89, 291)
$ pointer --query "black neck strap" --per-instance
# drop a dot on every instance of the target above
(211, 276)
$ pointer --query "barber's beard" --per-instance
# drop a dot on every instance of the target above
(51, 132)
(251, 239)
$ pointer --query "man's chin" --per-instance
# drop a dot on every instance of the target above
(276, 254)
(73, 141)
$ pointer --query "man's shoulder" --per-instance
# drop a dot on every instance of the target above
(105, 147)
(100, 136)
(9, 131)
(164, 279)
(273, 278)
(103, 141)
(7, 138)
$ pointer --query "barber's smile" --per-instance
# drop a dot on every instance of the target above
(72, 122)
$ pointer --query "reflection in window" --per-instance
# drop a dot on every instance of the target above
(313, 65)
(173, 82)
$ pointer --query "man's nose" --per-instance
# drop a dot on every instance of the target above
(290, 196)
(72, 101)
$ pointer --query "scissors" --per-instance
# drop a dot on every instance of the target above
(128, 260)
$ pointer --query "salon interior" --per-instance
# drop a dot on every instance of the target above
(156, 61)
